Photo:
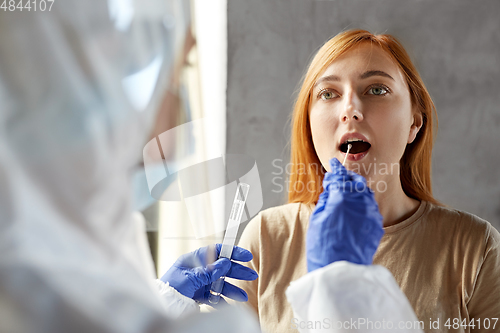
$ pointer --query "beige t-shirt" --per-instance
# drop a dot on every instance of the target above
(447, 262)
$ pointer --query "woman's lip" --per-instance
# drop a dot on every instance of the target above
(353, 135)
(356, 157)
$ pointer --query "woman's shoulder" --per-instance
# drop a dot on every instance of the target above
(447, 214)
(462, 222)
(287, 212)
(280, 221)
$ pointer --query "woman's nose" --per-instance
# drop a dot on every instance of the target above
(352, 110)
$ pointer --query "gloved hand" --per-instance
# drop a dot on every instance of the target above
(193, 273)
(346, 223)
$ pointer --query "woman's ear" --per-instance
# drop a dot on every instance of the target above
(418, 121)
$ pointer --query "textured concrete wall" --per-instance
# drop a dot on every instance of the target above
(454, 44)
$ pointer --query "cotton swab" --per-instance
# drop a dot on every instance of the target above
(349, 146)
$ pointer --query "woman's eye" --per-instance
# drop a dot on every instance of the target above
(378, 90)
(326, 94)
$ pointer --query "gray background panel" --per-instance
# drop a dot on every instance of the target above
(454, 44)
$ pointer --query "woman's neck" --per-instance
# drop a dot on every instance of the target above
(394, 205)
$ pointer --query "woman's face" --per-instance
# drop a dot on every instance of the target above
(363, 95)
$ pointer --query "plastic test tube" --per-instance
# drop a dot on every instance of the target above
(230, 237)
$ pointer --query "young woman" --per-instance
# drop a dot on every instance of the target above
(362, 89)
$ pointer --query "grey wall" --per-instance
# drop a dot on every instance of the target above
(454, 44)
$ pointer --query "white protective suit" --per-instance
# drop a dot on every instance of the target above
(79, 85)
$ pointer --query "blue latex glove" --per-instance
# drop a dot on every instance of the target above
(346, 223)
(193, 273)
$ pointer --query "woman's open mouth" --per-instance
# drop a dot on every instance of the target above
(359, 148)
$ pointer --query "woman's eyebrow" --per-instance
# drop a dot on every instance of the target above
(327, 78)
(335, 78)
(375, 73)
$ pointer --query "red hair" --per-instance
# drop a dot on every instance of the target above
(415, 165)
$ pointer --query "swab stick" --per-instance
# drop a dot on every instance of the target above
(349, 146)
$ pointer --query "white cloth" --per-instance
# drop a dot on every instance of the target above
(345, 297)
(75, 114)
